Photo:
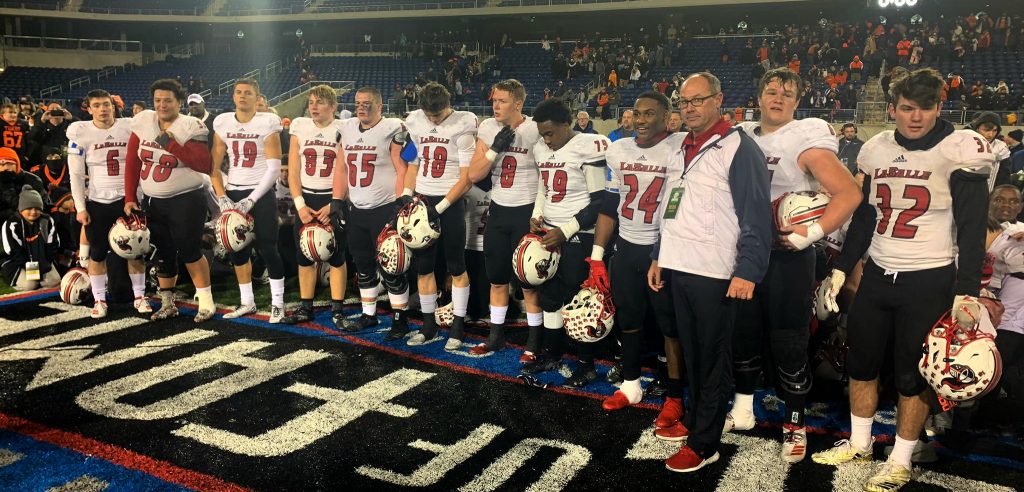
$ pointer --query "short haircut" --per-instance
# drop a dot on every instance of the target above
(676, 111)
(140, 103)
(922, 87)
(171, 85)
(250, 82)
(658, 97)
(434, 98)
(785, 76)
(324, 92)
(9, 107)
(372, 91)
(98, 94)
(848, 125)
(997, 189)
(713, 82)
(582, 113)
(513, 87)
(554, 110)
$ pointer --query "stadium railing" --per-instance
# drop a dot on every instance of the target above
(336, 84)
(70, 43)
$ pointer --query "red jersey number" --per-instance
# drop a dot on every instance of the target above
(436, 162)
(649, 200)
(366, 166)
(902, 229)
(310, 156)
(159, 171)
(508, 171)
(556, 184)
(113, 165)
(246, 157)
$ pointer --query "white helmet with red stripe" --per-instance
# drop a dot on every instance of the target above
(316, 241)
(532, 262)
(800, 207)
(234, 230)
(393, 255)
(323, 275)
(444, 315)
(129, 237)
(960, 360)
(75, 287)
(590, 315)
(415, 227)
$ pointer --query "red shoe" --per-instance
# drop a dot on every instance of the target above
(686, 461)
(617, 401)
(671, 412)
(677, 432)
(481, 349)
(527, 358)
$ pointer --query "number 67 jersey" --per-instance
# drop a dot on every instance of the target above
(914, 228)
(638, 176)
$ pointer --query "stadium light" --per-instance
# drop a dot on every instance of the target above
(897, 3)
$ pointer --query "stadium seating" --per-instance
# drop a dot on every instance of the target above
(20, 81)
(35, 4)
(263, 7)
(155, 7)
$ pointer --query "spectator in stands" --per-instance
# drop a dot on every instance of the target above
(583, 123)
(634, 75)
(675, 122)
(794, 63)
(613, 79)
(49, 136)
(26, 107)
(12, 181)
(1013, 140)
(30, 245)
(197, 109)
(138, 107)
(625, 128)
(614, 99)
(16, 131)
(728, 118)
(849, 147)
(856, 67)
(602, 104)
(561, 90)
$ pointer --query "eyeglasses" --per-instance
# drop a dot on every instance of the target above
(696, 102)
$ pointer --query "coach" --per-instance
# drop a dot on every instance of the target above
(716, 234)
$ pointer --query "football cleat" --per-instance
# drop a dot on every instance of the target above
(399, 329)
(421, 339)
(301, 314)
(686, 460)
(617, 401)
(452, 344)
(363, 322)
(203, 315)
(480, 349)
(614, 375)
(532, 263)
(142, 305)
(582, 376)
(843, 452)
(656, 389)
(166, 311)
(738, 422)
(240, 311)
(99, 310)
(890, 476)
(276, 314)
(794, 443)
(674, 433)
(542, 364)
(671, 412)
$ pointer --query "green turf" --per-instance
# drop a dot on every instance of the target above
(6, 289)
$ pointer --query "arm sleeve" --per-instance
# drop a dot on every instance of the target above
(76, 167)
(194, 154)
(467, 145)
(970, 201)
(858, 236)
(538, 204)
(749, 184)
(132, 168)
(52, 240)
(268, 179)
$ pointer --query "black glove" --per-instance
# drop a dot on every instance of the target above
(432, 214)
(339, 212)
(503, 140)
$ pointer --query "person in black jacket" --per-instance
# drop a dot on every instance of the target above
(849, 147)
(30, 245)
(12, 180)
(49, 137)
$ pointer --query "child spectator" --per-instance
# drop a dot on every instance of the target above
(30, 245)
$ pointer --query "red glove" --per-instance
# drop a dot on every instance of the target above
(598, 276)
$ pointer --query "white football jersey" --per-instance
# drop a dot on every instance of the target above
(514, 176)
(318, 154)
(162, 175)
(783, 147)
(104, 152)
(371, 174)
(1000, 151)
(478, 202)
(247, 158)
(563, 175)
(443, 149)
(1007, 253)
(638, 176)
(910, 192)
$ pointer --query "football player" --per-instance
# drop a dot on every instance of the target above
(504, 157)
(925, 199)
(98, 149)
(801, 156)
(639, 167)
(569, 194)
(376, 176)
(314, 154)
(445, 139)
(252, 142)
(167, 157)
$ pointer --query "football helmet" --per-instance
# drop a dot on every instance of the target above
(961, 362)
(590, 315)
(323, 274)
(75, 287)
(415, 227)
(129, 237)
(316, 241)
(801, 207)
(532, 262)
(393, 255)
(444, 315)
(234, 230)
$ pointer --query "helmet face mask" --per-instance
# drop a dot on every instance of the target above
(129, 237)
(316, 241)
(532, 263)
(234, 230)
(415, 227)
(393, 255)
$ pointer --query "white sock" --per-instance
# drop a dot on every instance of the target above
(743, 404)
(498, 314)
(247, 297)
(276, 292)
(138, 284)
(903, 451)
(205, 295)
(632, 390)
(428, 303)
(399, 299)
(860, 431)
(369, 307)
(534, 319)
(553, 321)
(99, 286)
(460, 300)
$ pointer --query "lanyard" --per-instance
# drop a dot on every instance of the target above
(49, 177)
(687, 167)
